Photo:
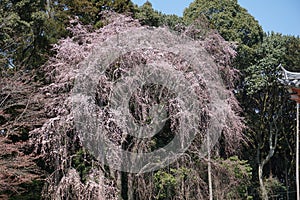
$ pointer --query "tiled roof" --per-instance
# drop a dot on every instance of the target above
(290, 78)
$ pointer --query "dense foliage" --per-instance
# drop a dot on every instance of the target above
(41, 44)
(28, 28)
(265, 102)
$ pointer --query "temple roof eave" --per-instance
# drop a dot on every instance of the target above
(291, 79)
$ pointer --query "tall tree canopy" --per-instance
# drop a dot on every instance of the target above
(269, 114)
(147, 15)
(28, 28)
(25, 32)
(292, 54)
(233, 22)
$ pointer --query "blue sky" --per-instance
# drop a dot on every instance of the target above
(282, 16)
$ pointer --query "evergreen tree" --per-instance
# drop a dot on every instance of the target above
(292, 55)
(27, 31)
(147, 15)
(233, 22)
(267, 108)
(269, 114)
(28, 28)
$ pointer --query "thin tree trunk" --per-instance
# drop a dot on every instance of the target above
(209, 168)
(48, 9)
(130, 187)
(263, 162)
(264, 193)
(286, 176)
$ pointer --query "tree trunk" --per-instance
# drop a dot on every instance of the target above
(273, 137)
(286, 176)
(130, 186)
(262, 163)
(209, 168)
(264, 193)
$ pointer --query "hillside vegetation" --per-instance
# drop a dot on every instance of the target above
(67, 65)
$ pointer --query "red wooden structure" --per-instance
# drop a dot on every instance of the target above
(295, 94)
